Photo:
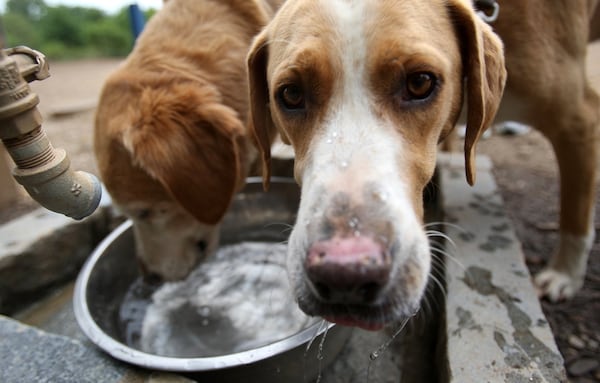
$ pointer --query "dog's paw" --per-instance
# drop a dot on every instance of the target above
(556, 285)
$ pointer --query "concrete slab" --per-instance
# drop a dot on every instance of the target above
(28, 354)
(42, 248)
(496, 330)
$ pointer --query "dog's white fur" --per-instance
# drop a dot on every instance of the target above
(364, 154)
(346, 157)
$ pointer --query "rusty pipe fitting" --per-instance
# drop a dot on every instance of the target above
(44, 171)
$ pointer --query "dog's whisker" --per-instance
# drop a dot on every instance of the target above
(439, 234)
(439, 280)
(437, 266)
(430, 294)
(286, 226)
(322, 324)
(438, 271)
(449, 224)
(439, 284)
(437, 253)
(442, 250)
(425, 303)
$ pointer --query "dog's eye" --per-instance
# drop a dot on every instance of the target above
(420, 85)
(291, 97)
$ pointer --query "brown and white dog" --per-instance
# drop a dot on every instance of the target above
(171, 137)
(365, 90)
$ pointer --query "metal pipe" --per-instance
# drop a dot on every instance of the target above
(44, 171)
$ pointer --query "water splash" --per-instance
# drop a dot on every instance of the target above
(133, 310)
(254, 306)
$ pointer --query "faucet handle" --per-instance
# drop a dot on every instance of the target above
(32, 64)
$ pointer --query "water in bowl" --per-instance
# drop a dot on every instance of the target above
(238, 300)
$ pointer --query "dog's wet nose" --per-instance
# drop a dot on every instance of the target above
(350, 270)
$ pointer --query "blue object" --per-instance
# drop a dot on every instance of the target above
(136, 17)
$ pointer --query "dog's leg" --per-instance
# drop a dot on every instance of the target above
(576, 148)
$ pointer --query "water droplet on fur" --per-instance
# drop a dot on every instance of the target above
(329, 141)
(334, 134)
(205, 322)
(205, 311)
(380, 195)
(344, 164)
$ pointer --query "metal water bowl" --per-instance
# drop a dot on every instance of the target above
(112, 268)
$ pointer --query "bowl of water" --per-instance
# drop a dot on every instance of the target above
(233, 319)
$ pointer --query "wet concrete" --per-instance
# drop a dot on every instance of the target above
(494, 323)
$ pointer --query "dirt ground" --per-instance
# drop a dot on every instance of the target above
(524, 167)
(526, 173)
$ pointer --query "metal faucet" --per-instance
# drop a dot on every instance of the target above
(43, 170)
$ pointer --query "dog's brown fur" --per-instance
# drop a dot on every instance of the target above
(305, 45)
(546, 48)
(170, 138)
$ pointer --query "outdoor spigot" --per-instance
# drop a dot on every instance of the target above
(44, 171)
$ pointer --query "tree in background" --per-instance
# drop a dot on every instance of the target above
(63, 32)
(30, 9)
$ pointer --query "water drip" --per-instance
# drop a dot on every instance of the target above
(321, 326)
(320, 356)
(381, 349)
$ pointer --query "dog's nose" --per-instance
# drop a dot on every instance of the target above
(350, 270)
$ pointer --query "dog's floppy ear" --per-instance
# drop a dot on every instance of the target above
(261, 123)
(483, 63)
(184, 137)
